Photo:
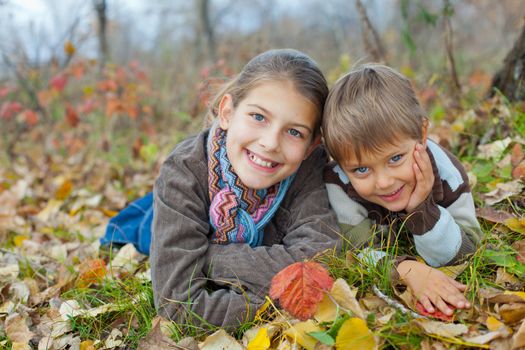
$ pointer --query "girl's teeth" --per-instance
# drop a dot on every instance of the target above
(260, 162)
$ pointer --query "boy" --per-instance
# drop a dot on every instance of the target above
(386, 171)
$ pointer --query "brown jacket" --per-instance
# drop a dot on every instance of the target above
(225, 284)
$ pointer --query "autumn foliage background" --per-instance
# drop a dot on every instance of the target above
(84, 131)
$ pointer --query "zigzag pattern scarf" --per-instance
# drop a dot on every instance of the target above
(237, 213)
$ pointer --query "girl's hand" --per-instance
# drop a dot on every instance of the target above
(424, 178)
(433, 288)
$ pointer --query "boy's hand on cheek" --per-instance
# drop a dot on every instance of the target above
(424, 178)
(433, 288)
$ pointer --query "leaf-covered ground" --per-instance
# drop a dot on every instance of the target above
(63, 178)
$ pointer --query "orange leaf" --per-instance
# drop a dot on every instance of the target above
(31, 118)
(516, 155)
(72, 116)
(92, 271)
(299, 288)
(64, 190)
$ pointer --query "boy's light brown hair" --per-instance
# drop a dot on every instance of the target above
(369, 108)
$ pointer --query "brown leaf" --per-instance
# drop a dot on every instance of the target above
(512, 313)
(518, 340)
(17, 330)
(156, 340)
(493, 215)
(518, 173)
(516, 155)
(299, 288)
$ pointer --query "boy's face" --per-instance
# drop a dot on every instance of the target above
(385, 178)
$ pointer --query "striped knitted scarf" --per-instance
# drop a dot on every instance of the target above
(238, 214)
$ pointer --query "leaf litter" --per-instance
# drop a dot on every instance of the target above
(54, 211)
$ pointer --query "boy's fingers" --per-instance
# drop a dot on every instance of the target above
(443, 307)
(427, 304)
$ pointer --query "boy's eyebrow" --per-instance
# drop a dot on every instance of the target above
(268, 112)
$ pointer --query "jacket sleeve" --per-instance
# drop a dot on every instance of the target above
(179, 244)
(312, 228)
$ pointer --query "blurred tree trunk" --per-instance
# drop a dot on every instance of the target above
(371, 40)
(101, 11)
(510, 79)
(206, 29)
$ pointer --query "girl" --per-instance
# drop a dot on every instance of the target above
(242, 200)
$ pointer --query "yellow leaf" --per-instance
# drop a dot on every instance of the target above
(298, 334)
(261, 340)
(19, 240)
(454, 270)
(262, 309)
(515, 224)
(354, 334)
(69, 48)
(493, 324)
(64, 190)
(519, 294)
(109, 213)
(87, 345)
(327, 311)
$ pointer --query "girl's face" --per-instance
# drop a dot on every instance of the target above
(270, 132)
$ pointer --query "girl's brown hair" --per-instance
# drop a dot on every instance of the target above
(277, 65)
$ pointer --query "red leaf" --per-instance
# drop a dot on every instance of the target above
(436, 314)
(299, 288)
(10, 109)
(58, 82)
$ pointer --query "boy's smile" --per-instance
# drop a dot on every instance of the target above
(386, 178)
(269, 133)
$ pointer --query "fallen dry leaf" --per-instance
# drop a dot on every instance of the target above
(450, 330)
(298, 333)
(518, 340)
(261, 340)
(17, 329)
(354, 334)
(493, 215)
(300, 287)
(156, 339)
(346, 297)
(220, 340)
(503, 191)
(512, 313)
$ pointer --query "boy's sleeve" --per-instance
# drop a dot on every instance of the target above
(445, 233)
(178, 252)
(312, 228)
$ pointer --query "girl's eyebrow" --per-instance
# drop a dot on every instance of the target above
(267, 112)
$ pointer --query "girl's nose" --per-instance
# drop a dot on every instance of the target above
(270, 140)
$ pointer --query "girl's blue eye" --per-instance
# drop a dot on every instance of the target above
(396, 158)
(295, 133)
(361, 170)
(258, 117)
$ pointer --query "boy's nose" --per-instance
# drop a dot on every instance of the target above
(384, 180)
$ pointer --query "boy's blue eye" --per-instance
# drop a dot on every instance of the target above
(295, 133)
(361, 170)
(396, 158)
(258, 117)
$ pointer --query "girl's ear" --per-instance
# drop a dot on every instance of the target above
(424, 132)
(225, 111)
(315, 142)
